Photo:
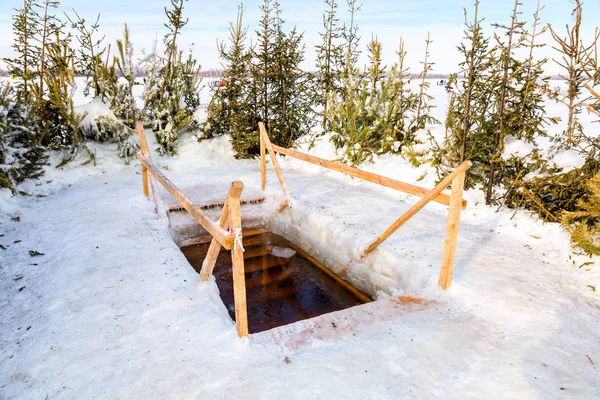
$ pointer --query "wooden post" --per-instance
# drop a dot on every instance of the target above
(275, 161)
(263, 163)
(145, 153)
(458, 184)
(145, 181)
(237, 261)
(215, 247)
(417, 207)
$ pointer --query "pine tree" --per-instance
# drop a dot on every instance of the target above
(227, 112)
(356, 118)
(470, 108)
(263, 55)
(329, 58)
(503, 79)
(123, 102)
(292, 97)
(90, 52)
(171, 83)
(22, 67)
(400, 104)
(585, 222)
(423, 110)
(573, 53)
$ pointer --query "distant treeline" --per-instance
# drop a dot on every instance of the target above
(218, 73)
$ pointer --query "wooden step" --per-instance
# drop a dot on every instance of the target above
(218, 203)
(264, 263)
(268, 279)
(245, 234)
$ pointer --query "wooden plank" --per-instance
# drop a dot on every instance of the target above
(222, 236)
(237, 262)
(367, 176)
(263, 163)
(363, 297)
(210, 204)
(275, 161)
(215, 247)
(458, 184)
(417, 207)
(207, 239)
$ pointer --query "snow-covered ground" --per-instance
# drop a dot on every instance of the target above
(112, 309)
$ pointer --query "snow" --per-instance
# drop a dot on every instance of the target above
(568, 160)
(92, 111)
(113, 310)
(516, 148)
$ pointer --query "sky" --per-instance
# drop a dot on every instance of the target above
(387, 19)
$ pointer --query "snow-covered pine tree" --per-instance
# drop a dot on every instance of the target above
(171, 83)
(5, 99)
(330, 54)
(59, 122)
(24, 156)
(123, 102)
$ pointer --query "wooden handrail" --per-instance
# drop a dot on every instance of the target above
(455, 200)
(417, 207)
(222, 236)
(367, 176)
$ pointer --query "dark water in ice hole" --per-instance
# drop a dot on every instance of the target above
(279, 290)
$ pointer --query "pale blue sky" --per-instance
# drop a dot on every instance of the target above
(388, 19)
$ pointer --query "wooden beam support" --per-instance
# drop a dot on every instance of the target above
(417, 207)
(237, 262)
(263, 163)
(215, 247)
(275, 161)
(222, 236)
(367, 176)
(458, 184)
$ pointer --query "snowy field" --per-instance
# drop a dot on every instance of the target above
(111, 309)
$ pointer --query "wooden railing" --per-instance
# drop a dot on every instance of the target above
(455, 201)
(226, 233)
